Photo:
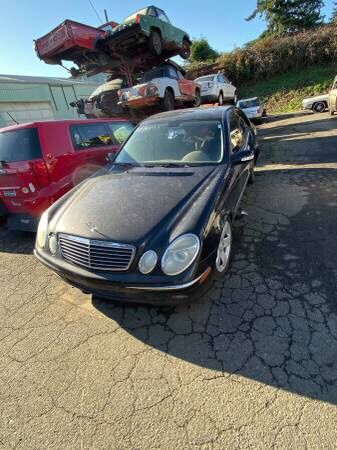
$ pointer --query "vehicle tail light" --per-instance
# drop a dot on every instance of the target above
(41, 173)
(138, 18)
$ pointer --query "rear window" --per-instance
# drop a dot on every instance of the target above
(120, 131)
(89, 136)
(20, 145)
(248, 103)
(207, 78)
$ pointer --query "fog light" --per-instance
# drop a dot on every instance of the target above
(148, 262)
(52, 244)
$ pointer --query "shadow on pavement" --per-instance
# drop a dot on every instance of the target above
(274, 317)
(16, 241)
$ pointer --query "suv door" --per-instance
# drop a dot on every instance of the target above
(92, 143)
(187, 87)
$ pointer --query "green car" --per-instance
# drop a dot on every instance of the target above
(150, 28)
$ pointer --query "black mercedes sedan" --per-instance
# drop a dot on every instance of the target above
(155, 224)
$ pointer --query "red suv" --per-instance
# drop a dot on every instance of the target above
(41, 161)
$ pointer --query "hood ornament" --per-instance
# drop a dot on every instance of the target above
(92, 227)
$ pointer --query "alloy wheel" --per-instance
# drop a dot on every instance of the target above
(224, 248)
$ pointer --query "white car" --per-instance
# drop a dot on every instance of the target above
(164, 86)
(317, 104)
(217, 89)
(253, 108)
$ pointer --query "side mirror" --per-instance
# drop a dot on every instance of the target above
(110, 157)
(242, 156)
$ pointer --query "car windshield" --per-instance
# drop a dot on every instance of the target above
(157, 73)
(19, 145)
(178, 143)
(207, 78)
(133, 16)
(243, 104)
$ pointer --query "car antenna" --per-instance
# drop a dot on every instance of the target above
(95, 10)
(106, 16)
(14, 120)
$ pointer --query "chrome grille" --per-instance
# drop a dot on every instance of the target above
(94, 254)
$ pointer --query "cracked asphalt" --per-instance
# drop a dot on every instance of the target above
(254, 365)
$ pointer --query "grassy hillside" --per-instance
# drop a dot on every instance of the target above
(285, 92)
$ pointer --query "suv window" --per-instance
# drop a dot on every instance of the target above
(89, 136)
(236, 131)
(152, 12)
(162, 16)
(20, 145)
(120, 131)
(221, 79)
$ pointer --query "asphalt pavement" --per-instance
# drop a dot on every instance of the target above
(253, 365)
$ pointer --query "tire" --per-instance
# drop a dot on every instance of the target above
(235, 99)
(221, 100)
(197, 101)
(319, 107)
(185, 52)
(156, 43)
(224, 251)
(168, 102)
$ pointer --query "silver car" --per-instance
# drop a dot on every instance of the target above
(316, 104)
(253, 108)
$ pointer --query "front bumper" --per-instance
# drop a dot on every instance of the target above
(140, 102)
(128, 291)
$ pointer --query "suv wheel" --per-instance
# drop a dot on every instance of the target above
(319, 107)
(221, 99)
(156, 43)
(224, 251)
(185, 49)
(168, 102)
(197, 100)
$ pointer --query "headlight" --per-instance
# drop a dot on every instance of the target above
(42, 231)
(180, 254)
(148, 262)
(52, 244)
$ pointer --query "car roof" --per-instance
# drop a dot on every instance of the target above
(208, 113)
(60, 122)
(248, 99)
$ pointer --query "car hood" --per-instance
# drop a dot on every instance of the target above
(132, 205)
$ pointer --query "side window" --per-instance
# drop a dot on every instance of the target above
(225, 80)
(162, 16)
(90, 136)
(120, 131)
(236, 132)
(221, 79)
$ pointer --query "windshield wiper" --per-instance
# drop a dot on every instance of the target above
(167, 165)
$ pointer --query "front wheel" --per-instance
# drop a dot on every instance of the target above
(156, 43)
(197, 100)
(224, 251)
(319, 107)
(168, 102)
(185, 52)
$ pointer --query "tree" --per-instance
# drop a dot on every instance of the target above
(334, 13)
(201, 51)
(288, 16)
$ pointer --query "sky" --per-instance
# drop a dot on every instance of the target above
(222, 22)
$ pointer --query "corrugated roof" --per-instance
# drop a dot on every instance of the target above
(41, 80)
